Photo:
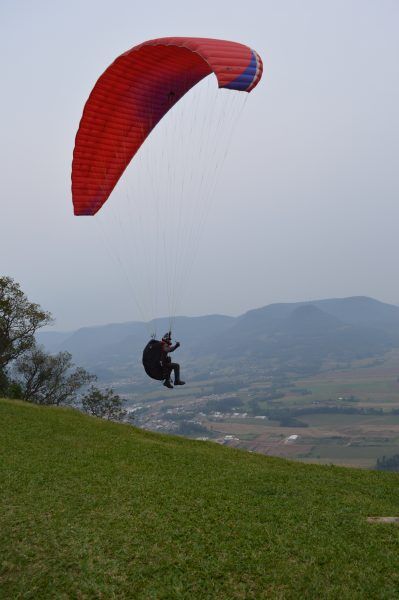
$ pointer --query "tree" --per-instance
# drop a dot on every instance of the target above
(3, 381)
(49, 379)
(388, 463)
(224, 404)
(191, 428)
(103, 404)
(19, 321)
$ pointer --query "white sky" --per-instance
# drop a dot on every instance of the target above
(307, 204)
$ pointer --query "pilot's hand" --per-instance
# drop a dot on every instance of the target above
(177, 344)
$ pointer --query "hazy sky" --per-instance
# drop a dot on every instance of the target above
(307, 204)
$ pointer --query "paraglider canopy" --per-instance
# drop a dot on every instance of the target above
(134, 93)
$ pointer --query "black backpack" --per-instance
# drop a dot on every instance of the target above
(152, 360)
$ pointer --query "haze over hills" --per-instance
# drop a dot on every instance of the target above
(291, 336)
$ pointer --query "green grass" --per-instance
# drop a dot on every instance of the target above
(90, 509)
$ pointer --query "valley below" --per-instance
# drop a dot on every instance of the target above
(345, 417)
(315, 381)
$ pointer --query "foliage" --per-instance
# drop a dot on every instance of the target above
(299, 391)
(292, 422)
(388, 463)
(221, 387)
(178, 416)
(3, 382)
(255, 408)
(49, 379)
(19, 321)
(274, 395)
(224, 404)
(103, 404)
(92, 509)
(191, 428)
(15, 391)
(277, 414)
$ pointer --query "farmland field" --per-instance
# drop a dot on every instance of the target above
(344, 416)
(332, 437)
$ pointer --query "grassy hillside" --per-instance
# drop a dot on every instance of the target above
(90, 509)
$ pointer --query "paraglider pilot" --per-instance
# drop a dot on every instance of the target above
(157, 362)
(167, 363)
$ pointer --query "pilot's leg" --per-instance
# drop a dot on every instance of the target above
(176, 369)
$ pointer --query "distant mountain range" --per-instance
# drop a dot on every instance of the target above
(295, 337)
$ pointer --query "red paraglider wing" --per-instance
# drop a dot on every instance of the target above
(134, 93)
